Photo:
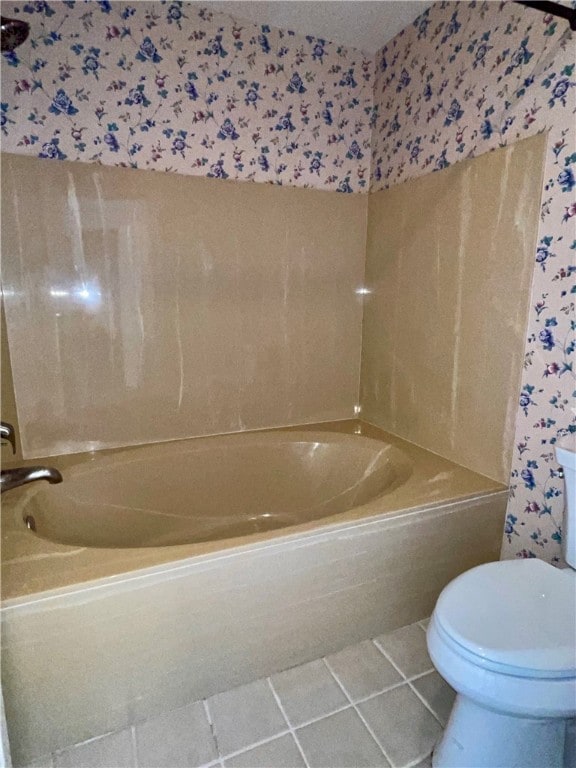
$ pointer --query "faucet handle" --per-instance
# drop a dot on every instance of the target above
(7, 433)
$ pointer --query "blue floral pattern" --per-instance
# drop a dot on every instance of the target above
(463, 79)
(174, 87)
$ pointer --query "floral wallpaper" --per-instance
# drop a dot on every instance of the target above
(171, 86)
(463, 79)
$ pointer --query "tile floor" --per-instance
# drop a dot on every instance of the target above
(377, 703)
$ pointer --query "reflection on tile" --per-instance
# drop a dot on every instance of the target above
(402, 724)
(340, 740)
(438, 695)
(244, 716)
(279, 753)
(181, 738)
(307, 692)
(7, 395)
(363, 670)
(144, 307)
(463, 313)
(407, 649)
(112, 751)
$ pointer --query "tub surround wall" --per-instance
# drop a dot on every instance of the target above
(176, 87)
(463, 79)
(441, 367)
(127, 85)
(144, 307)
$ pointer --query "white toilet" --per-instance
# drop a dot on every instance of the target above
(503, 635)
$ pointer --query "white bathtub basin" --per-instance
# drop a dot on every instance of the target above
(216, 488)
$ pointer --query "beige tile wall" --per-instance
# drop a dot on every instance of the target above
(144, 307)
(142, 312)
(449, 265)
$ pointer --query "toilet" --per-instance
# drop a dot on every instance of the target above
(503, 635)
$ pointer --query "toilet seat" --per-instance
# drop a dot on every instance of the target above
(513, 617)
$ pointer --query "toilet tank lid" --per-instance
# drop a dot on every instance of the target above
(520, 613)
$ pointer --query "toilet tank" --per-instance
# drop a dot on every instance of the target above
(566, 457)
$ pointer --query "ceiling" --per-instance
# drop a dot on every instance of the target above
(364, 25)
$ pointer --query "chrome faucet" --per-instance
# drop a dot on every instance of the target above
(13, 478)
(7, 433)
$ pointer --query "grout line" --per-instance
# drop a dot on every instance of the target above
(260, 743)
(397, 668)
(320, 717)
(421, 674)
(418, 760)
(212, 729)
(360, 715)
(410, 680)
(134, 746)
(207, 711)
(292, 731)
(388, 658)
(426, 704)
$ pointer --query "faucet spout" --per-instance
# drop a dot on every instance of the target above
(14, 478)
(7, 433)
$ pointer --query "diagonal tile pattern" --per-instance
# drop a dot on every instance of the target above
(377, 704)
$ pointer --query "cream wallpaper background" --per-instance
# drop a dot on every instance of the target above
(169, 86)
(155, 85)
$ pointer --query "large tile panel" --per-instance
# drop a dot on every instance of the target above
(144, 307)
(449, 267)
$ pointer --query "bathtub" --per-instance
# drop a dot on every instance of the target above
(158, 575)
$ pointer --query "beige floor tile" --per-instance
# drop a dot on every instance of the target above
(424, 623)
(363, 670)
(181, 738)
(279, 753)
(111, 751)
(570, 744)
(340, 741)
(244, 716)
(402, 724)
(407, 649)
(41, 762)
(308, 692)
(438, 694)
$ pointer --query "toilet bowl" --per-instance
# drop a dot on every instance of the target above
(503, 635)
